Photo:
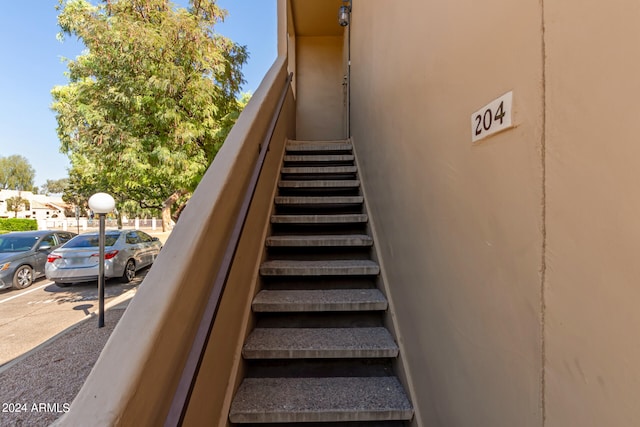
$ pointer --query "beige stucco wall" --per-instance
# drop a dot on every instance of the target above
(511, 263)
(319, 90)
(593, 213)
(459, 226)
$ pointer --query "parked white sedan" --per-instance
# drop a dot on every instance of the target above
(126, 251)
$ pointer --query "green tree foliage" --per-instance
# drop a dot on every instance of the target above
(55, 186)
(17, 204)
(16, 173)
(149, 102)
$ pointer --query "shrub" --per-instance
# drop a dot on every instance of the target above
(18, 224)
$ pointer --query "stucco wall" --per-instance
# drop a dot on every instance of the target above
(593, 213)
(320, 106)
(511, 263)
(459, 226)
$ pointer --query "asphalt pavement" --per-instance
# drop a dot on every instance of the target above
(31, 317)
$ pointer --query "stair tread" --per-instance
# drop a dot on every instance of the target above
(315, 300)
(310, 146)
(329, 183)
(319, 268)
(314, 343)
(341, 399)
(314, 200)
(318, 169)
(319, 219)
(319, 158)
(322, 240)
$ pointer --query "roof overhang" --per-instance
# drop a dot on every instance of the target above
(316, 18)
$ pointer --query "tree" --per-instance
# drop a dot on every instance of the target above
(16, 204)
(55, 186)
(16, 173)
(150, 101)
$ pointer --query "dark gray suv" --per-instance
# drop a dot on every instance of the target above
(23, 255)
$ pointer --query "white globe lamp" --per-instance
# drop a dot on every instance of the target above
(101, 204)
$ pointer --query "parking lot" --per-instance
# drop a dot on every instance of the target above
(34, 315)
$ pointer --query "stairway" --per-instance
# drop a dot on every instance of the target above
(319, 352)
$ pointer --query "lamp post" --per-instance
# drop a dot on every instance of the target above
(101, 203)
(78, 218)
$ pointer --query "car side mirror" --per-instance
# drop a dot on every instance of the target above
(155, 239)
(45, 247)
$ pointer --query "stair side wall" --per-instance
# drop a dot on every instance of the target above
(134, 379)
(512, 261)
(593, 230)
(458, 225)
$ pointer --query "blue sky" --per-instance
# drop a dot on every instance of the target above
(30, 66)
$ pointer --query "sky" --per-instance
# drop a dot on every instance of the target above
(31, 65)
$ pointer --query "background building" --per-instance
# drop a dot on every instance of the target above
(36, 206)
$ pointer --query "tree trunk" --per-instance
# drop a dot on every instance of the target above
(167, 223)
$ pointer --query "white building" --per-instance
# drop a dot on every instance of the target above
(37, 206)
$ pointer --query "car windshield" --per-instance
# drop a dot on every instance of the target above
(16, 243)
(91, 240)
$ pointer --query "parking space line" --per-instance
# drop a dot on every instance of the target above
(27, 292)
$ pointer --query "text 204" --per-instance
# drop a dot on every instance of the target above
(488, 118)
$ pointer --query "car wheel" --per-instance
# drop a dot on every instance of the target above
(23, 277)
(129, 272)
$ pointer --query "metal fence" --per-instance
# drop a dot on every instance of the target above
(85, 224)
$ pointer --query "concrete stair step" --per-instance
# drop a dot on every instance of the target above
(320, 268)
(320, 219)
(319, 343)
(323, 240)
(319, 300)
(315, 184)
(318, 170)
(321, 146)
(319, 200)
(342, 399)
(320, 158)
